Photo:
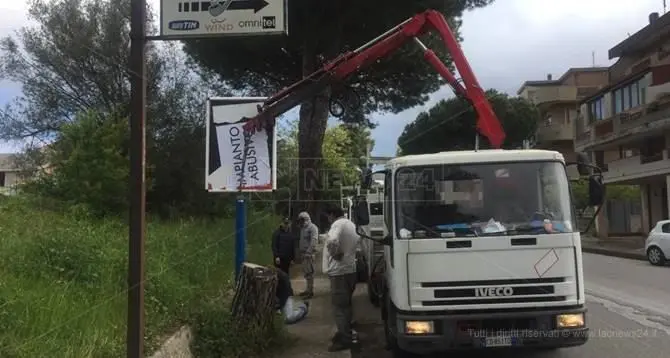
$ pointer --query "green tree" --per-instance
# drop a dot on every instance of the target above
(320, 30)
(75, 60)
(343, 147)
(450, 125)
(89, 164)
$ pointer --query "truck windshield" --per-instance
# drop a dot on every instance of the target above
(482, 199)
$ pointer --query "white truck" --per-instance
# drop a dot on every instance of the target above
(482, 251)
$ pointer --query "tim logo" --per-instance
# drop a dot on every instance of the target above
(269, 22)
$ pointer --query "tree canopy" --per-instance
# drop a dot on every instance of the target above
(450, 125)
(343, 147)
(318, 31)
(73, 65)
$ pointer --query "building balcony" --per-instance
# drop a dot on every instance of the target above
(637, 167)
(554, 132)
(554, 94)
(635, 124)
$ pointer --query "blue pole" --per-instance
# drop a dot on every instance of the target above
(240, 234)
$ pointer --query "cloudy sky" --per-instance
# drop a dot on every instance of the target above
(506, 43)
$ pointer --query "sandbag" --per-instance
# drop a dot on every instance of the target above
(295, 311)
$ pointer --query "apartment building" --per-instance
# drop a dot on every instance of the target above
(558, 101)
(626, 125)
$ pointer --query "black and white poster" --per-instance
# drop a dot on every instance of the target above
(238, 161)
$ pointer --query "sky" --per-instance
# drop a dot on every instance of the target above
(506, 43)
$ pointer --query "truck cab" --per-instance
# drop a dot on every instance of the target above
(481, 250)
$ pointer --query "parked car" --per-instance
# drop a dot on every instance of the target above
(658, 243)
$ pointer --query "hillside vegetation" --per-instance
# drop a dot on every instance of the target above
(63, 286)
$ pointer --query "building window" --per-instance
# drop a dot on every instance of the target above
(596, 109)
(628, 151)
(629, 96)
(652, 150)
(600, 160)
(2, 179)
(635, 95)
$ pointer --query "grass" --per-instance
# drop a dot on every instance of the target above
(63, 278)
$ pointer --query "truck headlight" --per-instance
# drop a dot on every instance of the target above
(419, 327)
(573, 320)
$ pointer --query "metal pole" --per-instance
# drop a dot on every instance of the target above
(477, 141)
(290, 204)
(136, 220)
(341, 196)
(240, 234)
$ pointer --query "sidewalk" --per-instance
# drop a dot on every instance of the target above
(625, 247)
(312, 335)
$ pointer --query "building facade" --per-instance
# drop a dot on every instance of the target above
(9, 174)
(558, 101)
(626, 125)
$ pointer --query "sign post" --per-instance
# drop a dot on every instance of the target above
(136, 218)
(228, 169)
(186, 19)
(240, 234)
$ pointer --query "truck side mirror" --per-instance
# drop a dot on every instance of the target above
(583, 164)
(596, 190)
(361, 212)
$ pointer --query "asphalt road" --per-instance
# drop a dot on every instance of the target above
(629, 315)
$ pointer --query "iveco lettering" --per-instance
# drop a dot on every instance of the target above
(494, 291)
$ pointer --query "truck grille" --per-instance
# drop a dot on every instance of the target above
(533, 290)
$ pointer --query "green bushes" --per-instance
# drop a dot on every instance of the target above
(90, 164)
(63, 287)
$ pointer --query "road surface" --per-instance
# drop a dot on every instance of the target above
(629, 315)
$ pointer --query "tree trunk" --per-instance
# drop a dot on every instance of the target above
(254, 302)
(311, 131)
(314, 113)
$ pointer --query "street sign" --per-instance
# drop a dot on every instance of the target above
(227, 168)
(196, 19)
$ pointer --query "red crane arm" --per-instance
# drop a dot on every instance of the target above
(351, 62)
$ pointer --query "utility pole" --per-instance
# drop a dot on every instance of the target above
(136, 220)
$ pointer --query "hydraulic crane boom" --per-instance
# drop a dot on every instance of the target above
(351, 62)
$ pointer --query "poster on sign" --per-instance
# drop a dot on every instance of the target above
(228, 168)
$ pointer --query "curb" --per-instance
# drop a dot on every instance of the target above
(615, 253)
